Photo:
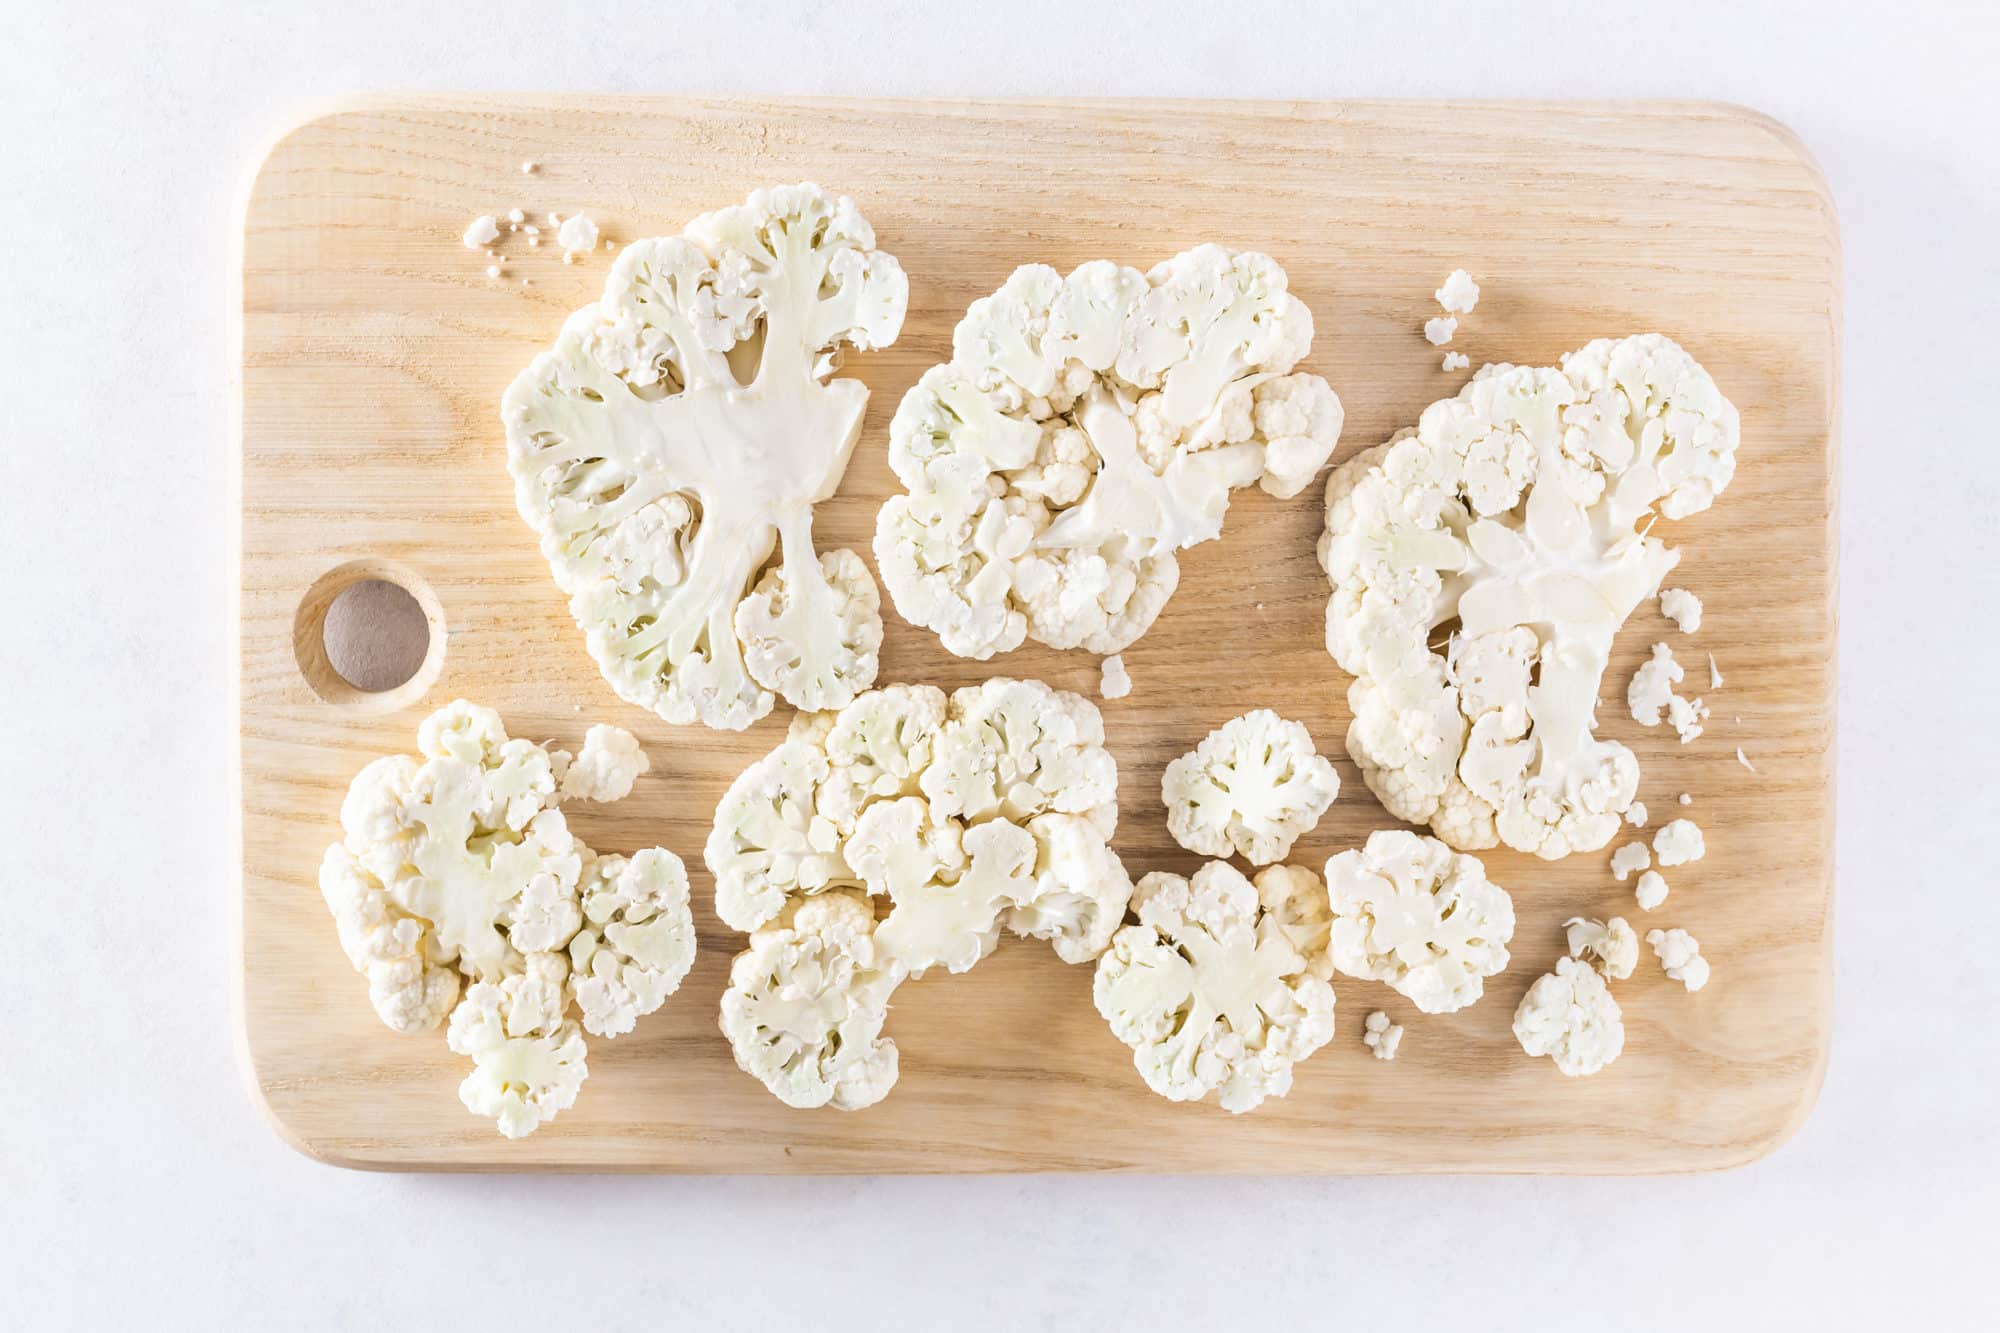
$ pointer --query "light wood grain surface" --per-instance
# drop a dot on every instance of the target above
(374, 353)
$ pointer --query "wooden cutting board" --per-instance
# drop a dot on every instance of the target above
(375, 349)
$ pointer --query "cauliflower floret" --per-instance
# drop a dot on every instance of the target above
(637, 940)
(1459, 294)
(1520, 509)
(1080, 891)
(806, 1003)
(1651, 890)
(1683, 608)
(1635, 814)
(1210, 993)
(606, 767)
(1679, 842)
(1569, 1016)
(1086, 429)
(1614, 942)
(1628, 859)
(770, 841)
(1381, 1036)
(1439, 330)
(1409, 911)
(659, 481)
(1113, 681)
(1680, 957)
(1253, 786)
(462, 866)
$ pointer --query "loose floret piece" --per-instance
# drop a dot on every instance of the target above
(1569, 1016)
(576, 235)
(481, 232)
(1381, 1036)
(1411, 912)
(1651, 890)
(939, 821)
(1457, 361)
(1652, 687)
(1521, 509)
(1086, 429)
(1438, 332)
(1683, 608)
(1686, 799)
(1209, 989)
(1744, 759)
(1678, 843)
(1632, 857)
(1253, 787)
(1714, 673)
(1680, 956)
(1635, 814)
(459, 868)
(687, 423)
(1614, 944)
(1459, 294)
(1113, 681)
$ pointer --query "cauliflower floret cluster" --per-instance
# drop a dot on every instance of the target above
(1521, 509)
(959, 815)
(1085, 430)
(458, 868)
(1221, 986)
(1569, 1016)
(1254, 786)
(1409, 911)
(684, 425)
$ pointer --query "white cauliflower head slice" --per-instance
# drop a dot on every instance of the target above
(1253, 786)
(686, 424)
(770, 841)
(1520, 509)
(1569, 1016)
(806, 1003)
(528, 1060)
(1614, 944)
(636, 941)
(1210, 993)
(1086, 429)
(1411, 912)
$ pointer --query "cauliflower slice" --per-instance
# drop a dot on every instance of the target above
(1409, 911)
(806, 1003)
(1569, 1016)
(1521, 510)
(927, 824)
(1086, 429)
(1253, 786)
(684, 425)
(459, 867)
(1614, 943)
(1680, 957)
(1210, 993)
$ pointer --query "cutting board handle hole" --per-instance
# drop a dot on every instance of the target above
(369, 636)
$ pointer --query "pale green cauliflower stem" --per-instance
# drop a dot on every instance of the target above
(1521, 509)
(686, 422)
(1212, 988)
(1086, 429)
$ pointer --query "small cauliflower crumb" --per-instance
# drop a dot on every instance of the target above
(1437, 332)
(1686, 717)
(530, 168)
(1680, 956)
(576, 235)
(555, 219)
(1682, 607)
(1686, 799)
(516, 216)
(1679, 843)
(1381, 1036)
(1628, 859)
(1744, 759)
(1113, 682)
(482, 232)
(1652, 890)
(1714, 673)
(1456, 361)
(492, 270)
(1635, 814)
(1459, 293)
(1652, 687)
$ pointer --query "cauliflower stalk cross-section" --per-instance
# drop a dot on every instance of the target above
(1254, 786)
(1211, 989)
(1409, 911)
(1085, 430)
(686, 422)
(901, 834)
(457, 868)
(1522, 510)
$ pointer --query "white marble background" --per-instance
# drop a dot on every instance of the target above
(138, 1188)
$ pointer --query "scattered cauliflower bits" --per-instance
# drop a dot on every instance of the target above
(1409, 911)
(1253, 787)
(1521, 509)
(1680, 957)
(1220, 986)
(1652, 691)
(1613, 943)
(988, 809)
(1381, 1036)
(684, 425)
(460, 868)
(1650, 891)
(1569, 1016)
(1085, 430)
